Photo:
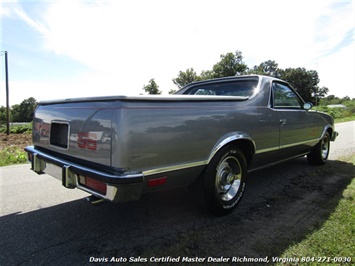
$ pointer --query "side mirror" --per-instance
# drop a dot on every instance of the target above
(307, 106)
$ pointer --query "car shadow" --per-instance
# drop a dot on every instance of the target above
(281, 206)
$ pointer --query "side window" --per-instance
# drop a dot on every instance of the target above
(284, 97)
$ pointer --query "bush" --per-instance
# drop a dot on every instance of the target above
(337, 112)
(18, 129)
(12, 155)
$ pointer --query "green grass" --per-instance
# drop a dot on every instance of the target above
(345, 119)
(12, 155)
(334, 239)
(17, 129)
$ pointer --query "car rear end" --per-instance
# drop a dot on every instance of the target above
(72, 141)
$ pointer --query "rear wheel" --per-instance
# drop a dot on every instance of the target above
(320, 152)
(224, 180)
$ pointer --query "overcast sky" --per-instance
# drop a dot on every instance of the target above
(63, 49)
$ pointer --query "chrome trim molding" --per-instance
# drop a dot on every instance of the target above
(228, 139)
(173, 168)
(300, 143)
(267, 150)
(287, 146)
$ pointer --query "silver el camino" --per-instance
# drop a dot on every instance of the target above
(211, 132)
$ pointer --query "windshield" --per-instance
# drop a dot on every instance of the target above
(245, 88)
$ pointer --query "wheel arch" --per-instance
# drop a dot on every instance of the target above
(237, 139)
(329, 129)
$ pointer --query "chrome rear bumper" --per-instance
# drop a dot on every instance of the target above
(119, 187)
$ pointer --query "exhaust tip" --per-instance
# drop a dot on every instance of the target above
(95, 200)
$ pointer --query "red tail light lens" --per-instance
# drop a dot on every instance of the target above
(93, 184)
(157, 181)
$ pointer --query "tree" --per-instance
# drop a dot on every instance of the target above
(185, 78)
(172, 91)
(152, 87)
(24, 111)
(206, 74)
(268, 68)
(230, 65)
(3, 115)
(305, 82)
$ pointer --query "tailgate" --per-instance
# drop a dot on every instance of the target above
(82, 130)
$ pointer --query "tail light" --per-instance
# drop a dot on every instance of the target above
(157, 181)
(93, 184)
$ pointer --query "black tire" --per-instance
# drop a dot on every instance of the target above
(224, 180)
(320, 152)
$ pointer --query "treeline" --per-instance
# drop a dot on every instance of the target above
(231, 64)
(22, 112)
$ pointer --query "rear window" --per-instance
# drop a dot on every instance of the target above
(245, 88)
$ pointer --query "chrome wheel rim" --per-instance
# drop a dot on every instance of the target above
(228, 178)
(325, 147)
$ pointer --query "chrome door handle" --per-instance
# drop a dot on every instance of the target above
(283, 121)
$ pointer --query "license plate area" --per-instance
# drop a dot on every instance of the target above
(59, 134)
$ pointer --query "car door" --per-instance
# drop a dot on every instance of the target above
(296, 126)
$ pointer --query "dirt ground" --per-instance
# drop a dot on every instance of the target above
(18, 140)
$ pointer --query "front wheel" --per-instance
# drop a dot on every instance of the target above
(224, 180)
(320, 152)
